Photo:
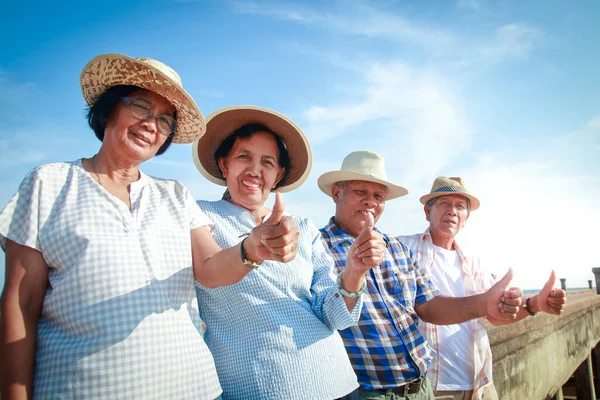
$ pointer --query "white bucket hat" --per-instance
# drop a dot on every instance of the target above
(361, 166)
(108, 70)
(443, 186)
(223, 122)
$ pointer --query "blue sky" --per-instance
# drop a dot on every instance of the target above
(505, 94)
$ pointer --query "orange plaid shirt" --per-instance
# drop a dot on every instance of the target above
(475, 280)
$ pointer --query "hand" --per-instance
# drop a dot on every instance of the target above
(502, 302)
(276, 238)
(368, 249)
(550, 299)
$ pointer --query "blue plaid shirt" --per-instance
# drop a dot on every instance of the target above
(386, 348)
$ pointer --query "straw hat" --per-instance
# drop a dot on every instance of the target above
(361, 166)
(223, 122)
(107, 70)
(443, 186)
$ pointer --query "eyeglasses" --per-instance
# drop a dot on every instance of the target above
(141, 109)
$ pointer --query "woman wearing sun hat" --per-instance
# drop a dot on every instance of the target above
(99, 299)
(273, 333)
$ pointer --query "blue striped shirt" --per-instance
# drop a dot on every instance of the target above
(386, 348)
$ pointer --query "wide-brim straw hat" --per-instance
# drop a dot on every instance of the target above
(443, 186)
(223, 122)
(361, 166)
(108, 70)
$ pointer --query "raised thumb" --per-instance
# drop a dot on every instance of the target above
(551, 281)
(369, 224)
(277, 211)
(506, 279)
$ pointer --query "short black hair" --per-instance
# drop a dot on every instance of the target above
(99, 112)
(246, 131)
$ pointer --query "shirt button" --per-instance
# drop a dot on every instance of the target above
(337, 295)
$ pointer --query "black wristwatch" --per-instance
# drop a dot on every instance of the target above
(247, 262)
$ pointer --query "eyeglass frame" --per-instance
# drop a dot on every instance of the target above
(129, 102)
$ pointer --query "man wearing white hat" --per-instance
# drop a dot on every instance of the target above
(462, 365)
(386, 349)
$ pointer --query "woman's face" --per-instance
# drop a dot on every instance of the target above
(252, 170)
(132, 139)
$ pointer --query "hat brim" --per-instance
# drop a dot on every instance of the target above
(328, 179)
(223, 122)
(474, 201)
(108, 70)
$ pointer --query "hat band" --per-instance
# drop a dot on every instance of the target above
(447, 189)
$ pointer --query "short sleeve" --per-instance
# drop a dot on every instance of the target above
(20, 219)
(198, 217)
(426, 290)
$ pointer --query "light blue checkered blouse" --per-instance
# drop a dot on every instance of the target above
(274, 335)
(120, 317)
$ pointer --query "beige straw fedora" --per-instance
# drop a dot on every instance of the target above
(223, 122)
(107, 70)
(443, 186)
(361, 166)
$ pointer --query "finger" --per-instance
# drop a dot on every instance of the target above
(370, 262)
(558, 293)
(367, 227)
(509, 314)
(286, 226)
(375, 245)
(516, 302)
(550, 283)
(557, 300)
(513, 293)
(277, 211)
(506, 279)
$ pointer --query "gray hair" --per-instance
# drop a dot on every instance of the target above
(431, 202)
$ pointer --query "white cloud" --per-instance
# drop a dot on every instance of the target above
(512, 40)
(469, 4)
(509, 41)
(421, 123)
(594, 122)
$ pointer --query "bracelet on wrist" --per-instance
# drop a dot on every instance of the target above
(347, 293)
(247, 262)
(527, 307)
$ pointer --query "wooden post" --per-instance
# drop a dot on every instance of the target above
(584, 380)
(596, 272)
(558, 395)
(563, 284)
(590, 284)
(596, 367)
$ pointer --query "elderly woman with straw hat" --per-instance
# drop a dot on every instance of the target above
(273, 333)
(99, 299)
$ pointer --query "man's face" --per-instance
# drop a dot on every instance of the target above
(354, 199)
(447, 215)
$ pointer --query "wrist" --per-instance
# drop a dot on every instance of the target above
(350, 289)
(352, 279)
(248, 260)
(534, 304)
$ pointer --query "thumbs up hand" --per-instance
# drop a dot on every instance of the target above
(503, 301)
(276, 238)
(550, 299)
(368, 249)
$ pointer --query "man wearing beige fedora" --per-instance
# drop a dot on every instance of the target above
(387, 351)
(462, 363)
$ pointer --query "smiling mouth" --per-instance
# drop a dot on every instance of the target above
(251, 184)
(142, 138)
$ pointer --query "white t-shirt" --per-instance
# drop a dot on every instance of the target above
(455, 341)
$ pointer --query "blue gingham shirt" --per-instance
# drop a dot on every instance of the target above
(120, 316)
(274, 333)
(385, 347)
